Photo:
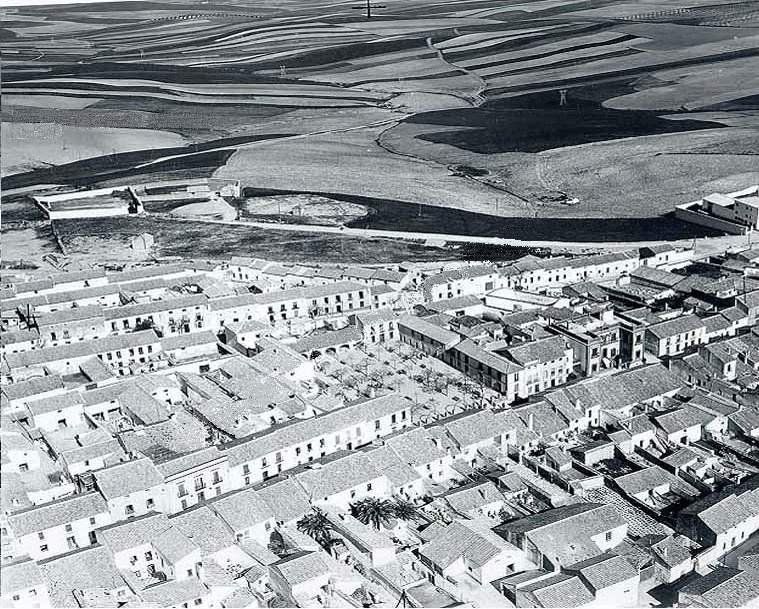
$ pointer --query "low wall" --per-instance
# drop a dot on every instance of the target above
(686, 215)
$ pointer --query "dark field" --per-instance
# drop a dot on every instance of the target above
(537, 122)
(198, 240)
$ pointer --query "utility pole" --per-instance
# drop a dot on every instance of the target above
(369, 8)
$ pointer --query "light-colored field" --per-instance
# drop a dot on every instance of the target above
(215, 208)
(637, 177)
(694, 87)
(633, 177)
(352, 163)
(640, 61)
(548, 62)
(49, 101)
(29, 145)
(305, 208)
(28, 244)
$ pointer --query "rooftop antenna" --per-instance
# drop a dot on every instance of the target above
(563, 98)
(282, 71)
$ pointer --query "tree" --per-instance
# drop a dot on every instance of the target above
(373, 511)
(316, 525)
(404, 510)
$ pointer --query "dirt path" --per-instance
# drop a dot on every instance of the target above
(477, 98)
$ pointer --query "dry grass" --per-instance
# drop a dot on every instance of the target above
(30, 145)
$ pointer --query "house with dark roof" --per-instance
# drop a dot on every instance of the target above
(555, 590)
(301, 578)
(566, 535)
(723, 587)
(51, 529)
(611, 578)
(724, 519)
(131, 488)
(470, 547)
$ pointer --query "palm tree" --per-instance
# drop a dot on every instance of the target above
(373, 511)
(404, 510)
(316, 525)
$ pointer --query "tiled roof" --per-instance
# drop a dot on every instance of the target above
(468, 539)
(562, 590)
(55, 403)
(56, 513)
(649, 478)
(126, 478)
(286, 498)
(81, 349)
(204, 528)
(242, 509)
(544, 350)
(88, 568)
(604, 571)
(74, 314)
(427, 329)
(339, 475)
(302, 567)
(301, 431)
(174, 592)
(182, 463)
(20, 575)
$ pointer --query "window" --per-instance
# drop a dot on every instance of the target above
(43, 548)
(41, 535)
(129, 510)
(71, 543)
(23, 467)
(69, 528)
(148, 555)
(608, 535)
(149, 504)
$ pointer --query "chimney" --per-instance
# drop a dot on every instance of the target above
(531, 422)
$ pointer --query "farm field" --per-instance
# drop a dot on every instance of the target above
(302, 208)
(108, 240)
(27, 146)
(629, 106)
